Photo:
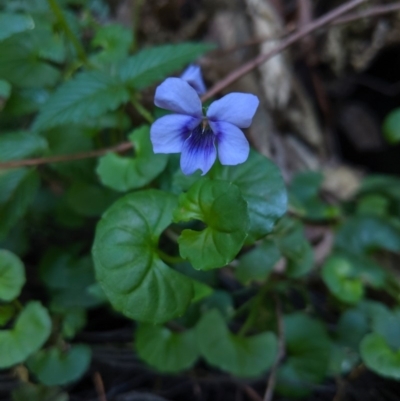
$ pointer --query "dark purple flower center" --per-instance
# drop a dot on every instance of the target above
(201, 139)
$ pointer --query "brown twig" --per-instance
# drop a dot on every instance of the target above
(262, 58)
(281, 352)
(120, 148)
(370, 12)
(99, 385)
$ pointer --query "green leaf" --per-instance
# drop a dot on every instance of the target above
(7, 312)
(221, 301)
(34, 392)
(221, 207)
(5, 91)
(128, 267)
(68, 279)
(19, 188)
(339, 276)
(379, 357)
(362, 234)
(293, 245)
(56, 367)
(257, 264)
(71, 139)
(12, 275)
(11, 24)
(23, 62)
(115, 41)
(387, 324)
(308, 352)
(86, 96)
(74, 320)
(304, 197)
(165, 350)
(352, 327)
(30, 332)
(21, 144)
(243, 357)
(126, 173)
(391, 126)
(88, 199)
(155, 63)
(262, 187)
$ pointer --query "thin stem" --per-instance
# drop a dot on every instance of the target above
(262, 58)
(122, 147)
(68, 31)
(168, 258)
(142, 110)
(281, 351)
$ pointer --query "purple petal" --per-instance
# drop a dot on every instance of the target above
(169, 133)
(198, 152)
(177, 95)
(192, 75)
(235, 108)
(233, 147)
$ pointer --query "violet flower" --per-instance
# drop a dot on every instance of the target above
(192, 75)
(199, 138)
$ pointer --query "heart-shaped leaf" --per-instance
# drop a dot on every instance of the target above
(241, 356)
(125, 173)
(257, 264)
(221, 207)
(308, 351)
(165, 350)
(379, 357)
(12, 275)
(55, 367)
(127, 265)
(31, 330)
(262, 186)
(339, 276)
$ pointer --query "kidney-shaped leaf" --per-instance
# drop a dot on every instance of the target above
(241, 356)
(125, 173)
(31, 330)
(379, 357)
(165, 350)
(262, 186)
(221, 207)
(131, 273)
(55, 367)
(12, 275)
(308, 350)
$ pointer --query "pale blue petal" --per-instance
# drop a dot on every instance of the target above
(192, 75)
(198, 152)
(177, 95)
(233, 147)
(235, 108)
(169, 133)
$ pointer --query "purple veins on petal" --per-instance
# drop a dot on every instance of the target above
(199, 151)
(169, 133)
(177, 95)
(192, 75)
(234, 108)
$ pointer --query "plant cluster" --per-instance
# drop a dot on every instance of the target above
(214, 267)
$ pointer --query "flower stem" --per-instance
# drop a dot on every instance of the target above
(68, 31)
(168, 258)
(142, 110)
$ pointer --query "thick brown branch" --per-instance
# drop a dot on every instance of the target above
(120, 148)
(262, 58)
